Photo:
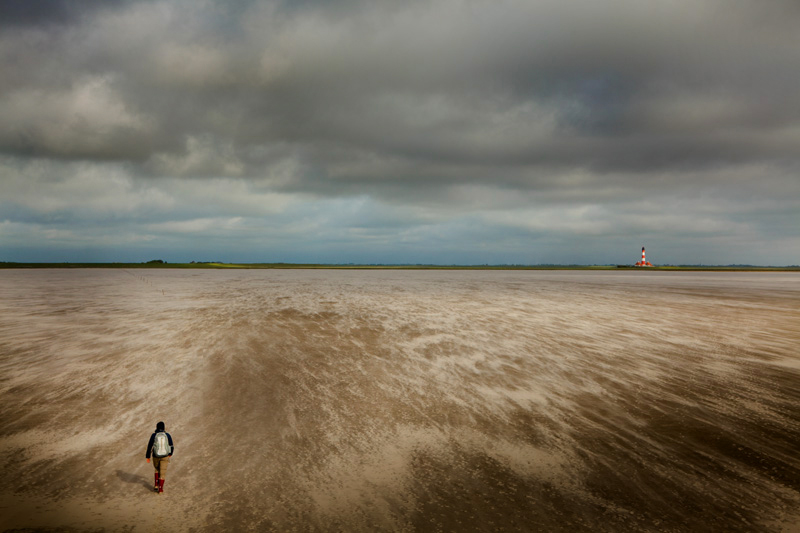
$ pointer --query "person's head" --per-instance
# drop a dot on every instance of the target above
(160, 426)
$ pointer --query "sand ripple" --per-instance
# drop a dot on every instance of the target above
(401, 400)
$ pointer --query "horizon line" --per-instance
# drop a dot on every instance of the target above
(279, 264)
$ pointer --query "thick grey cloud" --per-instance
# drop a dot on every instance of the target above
(47, 13)
(541, 123)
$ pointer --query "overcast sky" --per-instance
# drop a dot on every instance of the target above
(435, 131)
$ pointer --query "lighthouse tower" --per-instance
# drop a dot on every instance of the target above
(643, 262)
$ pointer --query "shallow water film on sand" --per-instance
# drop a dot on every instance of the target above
(327, 400)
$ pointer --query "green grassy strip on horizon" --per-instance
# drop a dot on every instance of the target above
(9, 265)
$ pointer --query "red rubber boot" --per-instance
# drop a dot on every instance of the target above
(156, 485)
(160, 486)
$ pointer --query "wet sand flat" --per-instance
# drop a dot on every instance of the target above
(319, 400)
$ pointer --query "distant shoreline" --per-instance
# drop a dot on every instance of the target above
(288, 266)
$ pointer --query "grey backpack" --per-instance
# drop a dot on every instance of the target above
(161, 447)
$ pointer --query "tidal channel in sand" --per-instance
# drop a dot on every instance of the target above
(337, 400)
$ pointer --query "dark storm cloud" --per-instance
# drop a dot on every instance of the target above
(452, 105)
(47, 13)
(611, 86)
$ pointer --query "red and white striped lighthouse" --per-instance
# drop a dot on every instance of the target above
(643, 262)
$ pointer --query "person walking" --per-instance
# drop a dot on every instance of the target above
(161, 447)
